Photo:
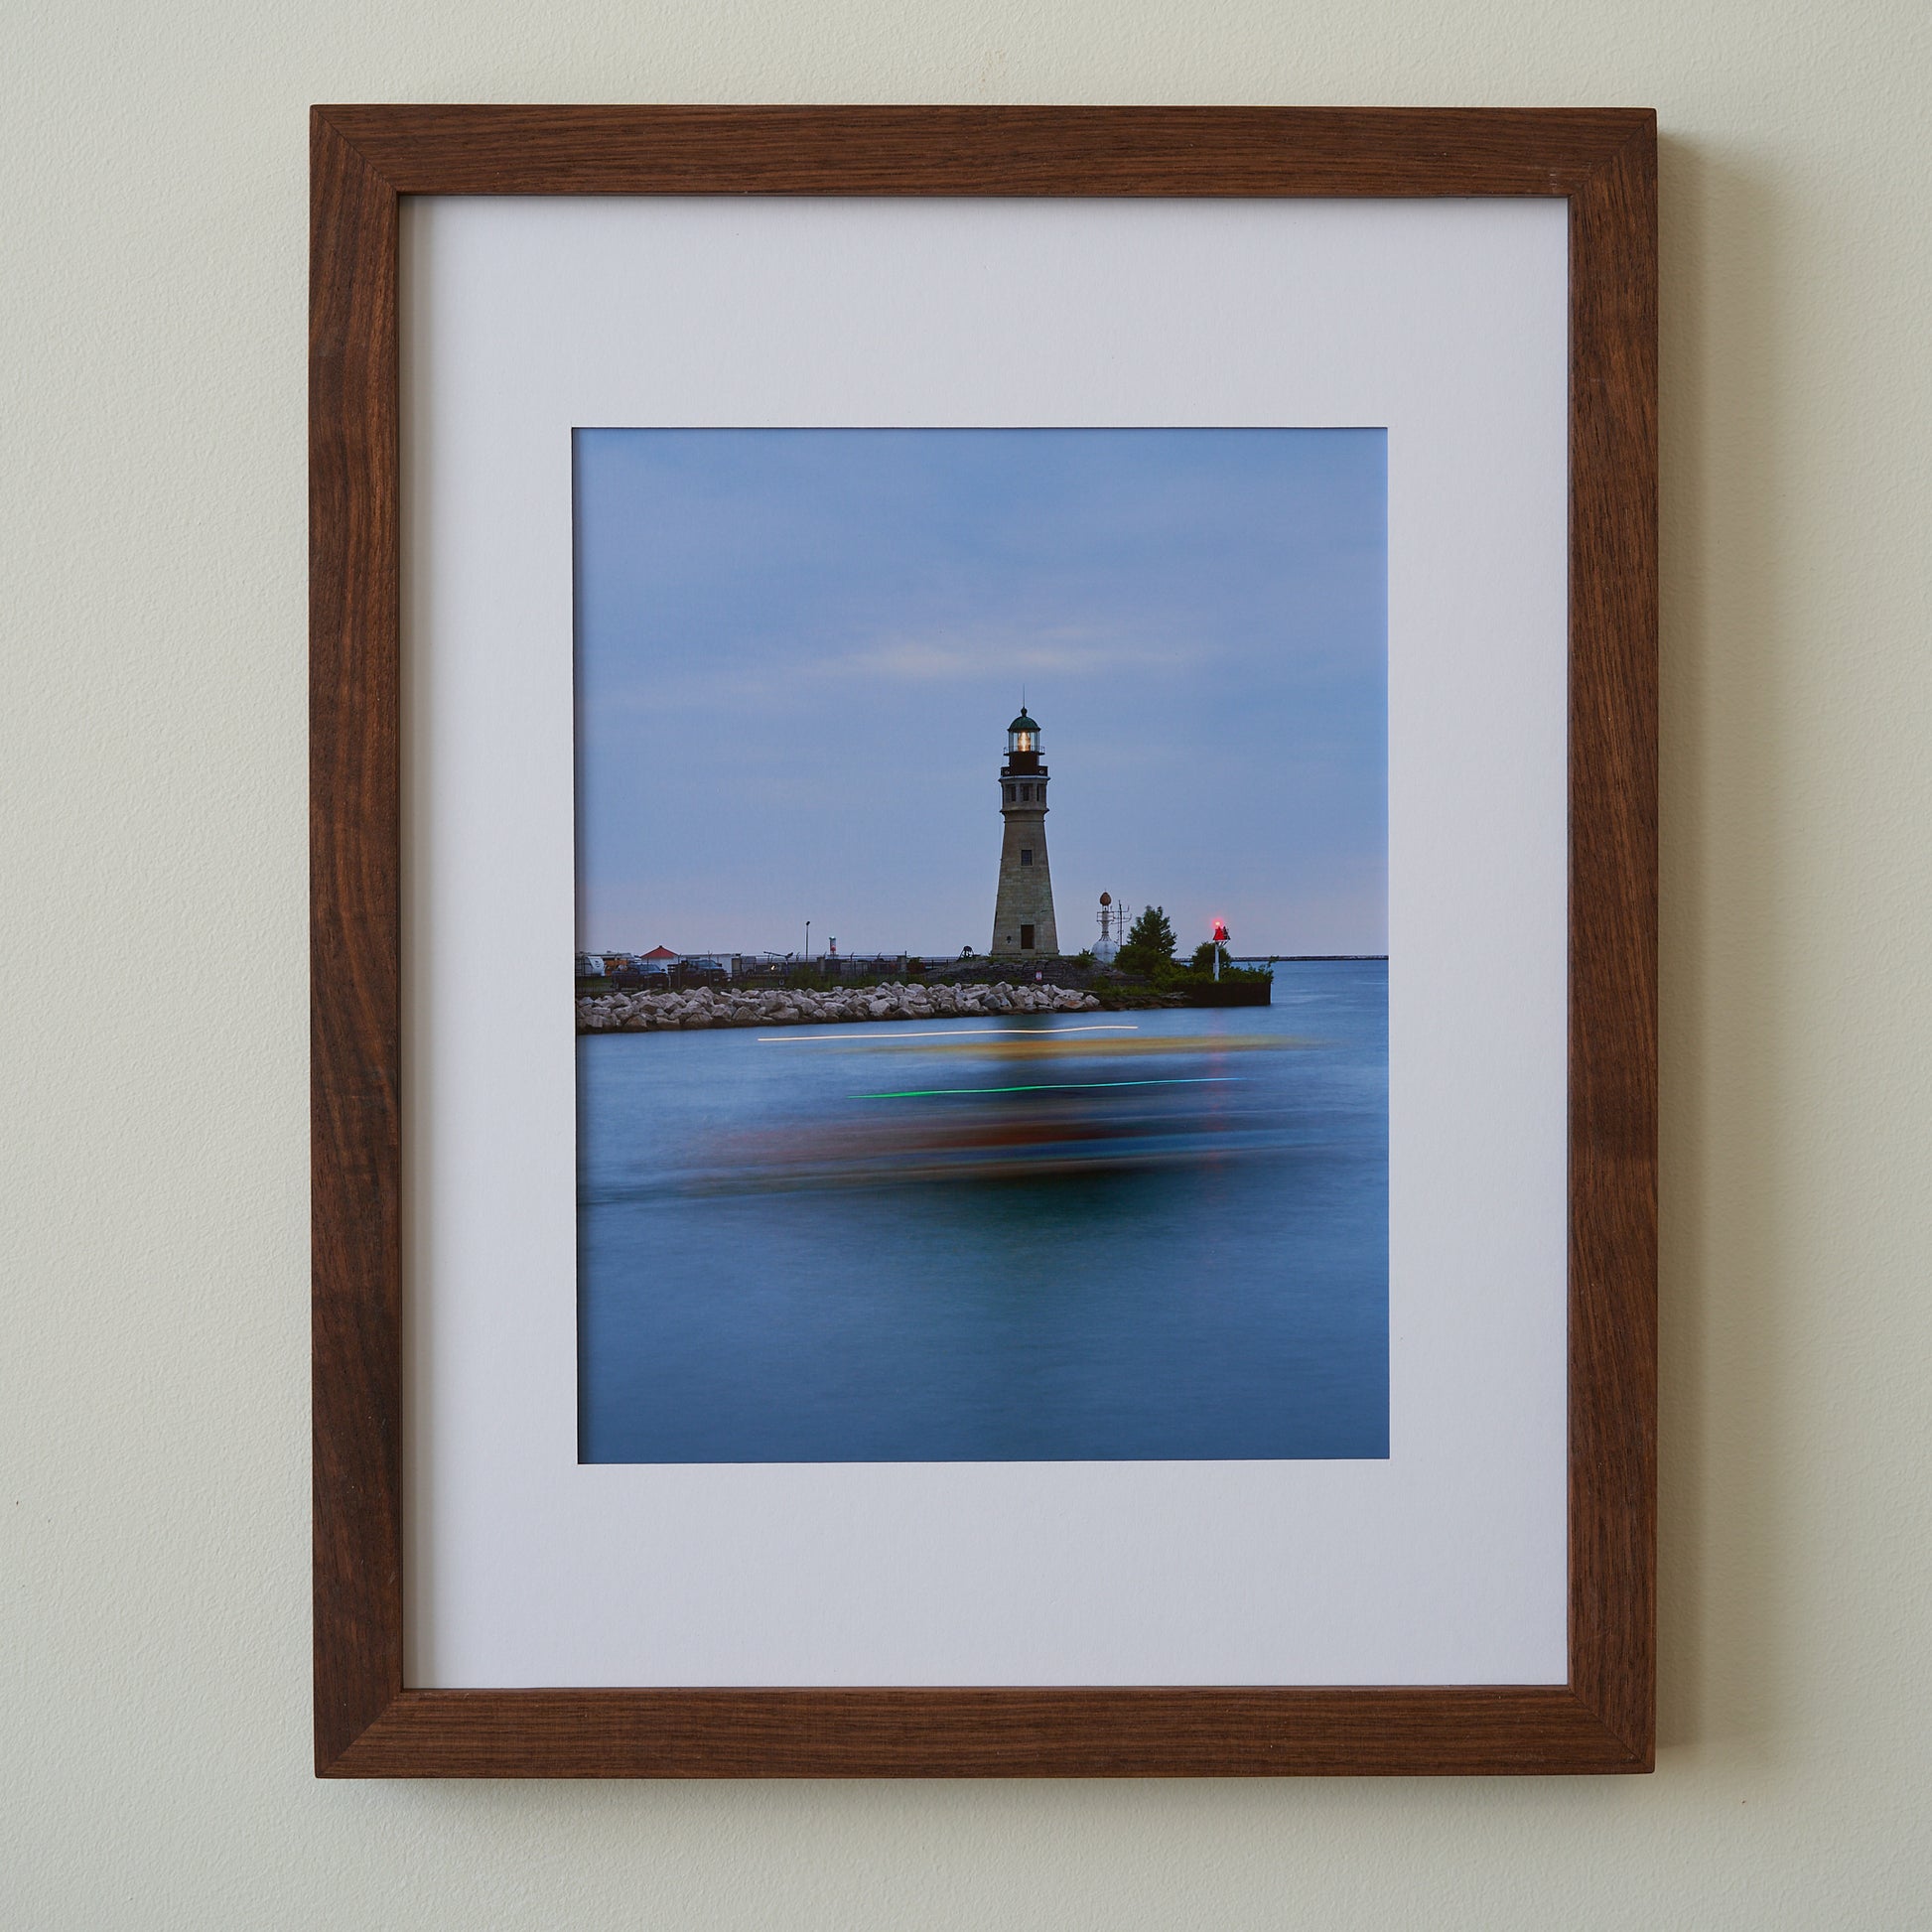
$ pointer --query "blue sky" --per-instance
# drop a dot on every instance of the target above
(797, 651)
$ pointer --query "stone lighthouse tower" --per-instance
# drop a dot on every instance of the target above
(1023, 914)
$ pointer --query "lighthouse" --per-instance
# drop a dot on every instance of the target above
(1023, 913)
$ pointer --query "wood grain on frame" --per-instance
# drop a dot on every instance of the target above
(368, 1724)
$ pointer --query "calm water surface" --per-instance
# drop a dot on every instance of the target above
(1089, 1236)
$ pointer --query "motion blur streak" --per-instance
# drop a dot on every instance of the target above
(999, 1129)
(842, 1039)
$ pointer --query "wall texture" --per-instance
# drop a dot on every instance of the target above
(153, 1422)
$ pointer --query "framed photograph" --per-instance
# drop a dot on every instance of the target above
(984, 870)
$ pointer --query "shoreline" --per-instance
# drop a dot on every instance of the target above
(637, 1010)
(704, 1006)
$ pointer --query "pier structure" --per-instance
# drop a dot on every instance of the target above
(1022, 911)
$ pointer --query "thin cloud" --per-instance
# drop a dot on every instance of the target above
(767, 681)
(928, 659)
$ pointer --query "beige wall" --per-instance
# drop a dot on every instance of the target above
(153, 1424)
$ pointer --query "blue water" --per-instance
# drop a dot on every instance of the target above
(1147, 1236)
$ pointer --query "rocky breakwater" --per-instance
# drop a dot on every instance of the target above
(641, 1013)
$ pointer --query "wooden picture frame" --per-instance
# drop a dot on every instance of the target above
(367, 1722)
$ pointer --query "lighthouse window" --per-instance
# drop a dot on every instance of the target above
(1009, 793)
(1026, 855)
(1025, 792)
(1025, 938)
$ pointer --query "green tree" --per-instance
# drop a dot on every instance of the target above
(1148, 948)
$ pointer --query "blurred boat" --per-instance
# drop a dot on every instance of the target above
(1018, 1104)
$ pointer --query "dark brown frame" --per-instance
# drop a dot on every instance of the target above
(364, 159)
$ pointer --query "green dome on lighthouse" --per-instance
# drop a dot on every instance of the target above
(1022, 724)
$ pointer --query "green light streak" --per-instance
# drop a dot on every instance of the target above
(1050, 1086)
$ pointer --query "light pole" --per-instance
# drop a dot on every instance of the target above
(808, 945)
